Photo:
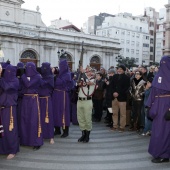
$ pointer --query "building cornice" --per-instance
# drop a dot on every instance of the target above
(15, 2)
(59, 36)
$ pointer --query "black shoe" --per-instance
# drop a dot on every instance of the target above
(65, 132)
(81, 139)
(107, 121)
(64, 135)
(86, 139)
(57, 130)
(160, 160)
(109, 125)
(96, 120)
(57, 133)
(131, 129)
(35, 148)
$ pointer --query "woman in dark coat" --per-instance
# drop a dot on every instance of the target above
(9, 84)
(137, 92)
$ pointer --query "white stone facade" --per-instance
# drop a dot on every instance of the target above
(23, 31)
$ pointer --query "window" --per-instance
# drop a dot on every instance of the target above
(151, 41)
(137, 51)
(137, 59)
(133, 43)
(122, 41)
(137, 44)
(109, 32)
(158, 45)
(104, 33)
(133, 34)
(117, 31)
(151, 49)
(140, 29)
(145, 45)
(123, 32)
(138, 35)
(128, 33)
(132, 51)
(127, 42)
(127, 50)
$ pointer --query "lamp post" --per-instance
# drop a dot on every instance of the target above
(61, 55)
(119, 59)
(1, 53)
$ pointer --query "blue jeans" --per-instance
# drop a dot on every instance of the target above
(148, 122)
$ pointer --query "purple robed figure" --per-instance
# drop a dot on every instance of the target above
(159, 103)
(31, 131)
(60, 98)
(45, 93)
(9, 84)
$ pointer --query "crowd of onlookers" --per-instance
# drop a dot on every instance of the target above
(123, 94)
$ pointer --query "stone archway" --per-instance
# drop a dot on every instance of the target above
(95, 62)
(29, 56)
(68, 57)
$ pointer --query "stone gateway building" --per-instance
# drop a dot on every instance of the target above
(24, 37)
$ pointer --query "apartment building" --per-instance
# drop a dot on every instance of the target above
(133, 35)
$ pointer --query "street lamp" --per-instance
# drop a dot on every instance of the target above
(61, 55)
(119, 59)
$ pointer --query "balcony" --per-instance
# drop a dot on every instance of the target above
(151, 28)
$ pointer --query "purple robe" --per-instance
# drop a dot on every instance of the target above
(31, 131)
(73, 99)
(60, 97)
(9, 84)
(45, 93)
(159, 103)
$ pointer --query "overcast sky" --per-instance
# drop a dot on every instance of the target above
(78, 11)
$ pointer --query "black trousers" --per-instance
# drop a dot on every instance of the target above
(137, 109)
(98, 108)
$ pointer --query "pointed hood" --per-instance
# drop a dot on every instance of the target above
(20, 65)
(46, 69)
(31, 69)
(10, 73)
(162, 78)
(63, 67)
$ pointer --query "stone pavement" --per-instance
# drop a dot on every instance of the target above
(106, 150)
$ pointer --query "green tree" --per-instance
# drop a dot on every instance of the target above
(128, 62)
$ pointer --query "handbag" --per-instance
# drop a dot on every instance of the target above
(167, 115)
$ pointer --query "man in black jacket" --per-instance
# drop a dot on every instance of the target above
(120, 86)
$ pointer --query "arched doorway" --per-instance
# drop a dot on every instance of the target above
(68, 58)
(95, 62)
(29, 56)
